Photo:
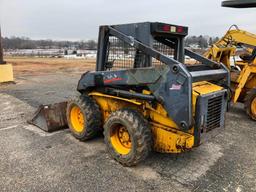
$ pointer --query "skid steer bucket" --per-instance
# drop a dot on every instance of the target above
(50, 117)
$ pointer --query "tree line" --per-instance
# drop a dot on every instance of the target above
(27, 43)
(200, 41)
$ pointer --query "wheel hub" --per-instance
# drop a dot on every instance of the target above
(121, 140)
(253, 107)
(77, 119)
(124, 137)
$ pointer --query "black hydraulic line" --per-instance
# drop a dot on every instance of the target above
(128, 94)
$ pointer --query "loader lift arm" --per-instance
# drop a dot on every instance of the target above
(222, 50)
(237, 36)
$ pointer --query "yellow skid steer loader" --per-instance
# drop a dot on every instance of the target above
(143, 97)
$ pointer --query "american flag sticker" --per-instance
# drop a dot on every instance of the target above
(175, 87)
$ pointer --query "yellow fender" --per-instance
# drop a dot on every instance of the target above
(243, 79)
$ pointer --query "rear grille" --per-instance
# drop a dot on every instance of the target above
(214, 113)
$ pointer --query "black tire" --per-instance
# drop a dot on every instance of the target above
(91, 115)
(249, 101)
(139, 133)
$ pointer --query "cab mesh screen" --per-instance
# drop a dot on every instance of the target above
(121, 55)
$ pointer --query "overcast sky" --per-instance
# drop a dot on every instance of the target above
(79, 19)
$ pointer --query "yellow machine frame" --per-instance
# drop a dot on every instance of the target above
(167, 136)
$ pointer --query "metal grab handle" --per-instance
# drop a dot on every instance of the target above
(207, 75)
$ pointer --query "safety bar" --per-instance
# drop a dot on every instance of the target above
(207, 75)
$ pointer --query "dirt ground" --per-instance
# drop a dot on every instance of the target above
(38, 66)
(32, 160)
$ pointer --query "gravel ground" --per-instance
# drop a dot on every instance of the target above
(32, 160)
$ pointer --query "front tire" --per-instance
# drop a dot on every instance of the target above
(250, 104)
(84, 117)
(128, 137)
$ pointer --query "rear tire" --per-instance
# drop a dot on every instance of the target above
(250, 104)
(84, 117)
(128, 137)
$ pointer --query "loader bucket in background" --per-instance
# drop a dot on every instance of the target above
(50, 117)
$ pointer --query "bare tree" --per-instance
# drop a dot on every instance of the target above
(92, 44)
(1, 49)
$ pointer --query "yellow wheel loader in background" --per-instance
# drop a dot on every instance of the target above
(243, 72)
